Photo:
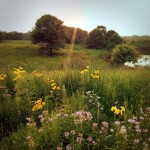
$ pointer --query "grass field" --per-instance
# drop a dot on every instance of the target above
(73, 100)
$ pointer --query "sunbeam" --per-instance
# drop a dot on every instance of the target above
(71, 48)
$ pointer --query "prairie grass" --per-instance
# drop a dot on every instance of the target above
(77, 112)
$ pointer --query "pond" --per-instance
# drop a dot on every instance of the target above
(143, 61)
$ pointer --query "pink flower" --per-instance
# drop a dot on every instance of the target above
(59, 148)
(68, 147)
(89, 139)
(117, 122)
(105, 124)
(66, 134)
(79, 140)
(94, 125)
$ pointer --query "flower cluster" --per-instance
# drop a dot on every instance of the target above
(82, 116)
(19, 73)
(117, 111)
(53, 85)
(2, 76)
(95, 74)
(37, 74)
(38, 105)
(86, 69)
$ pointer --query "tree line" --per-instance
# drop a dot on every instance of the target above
(14, 35)
(51, 34)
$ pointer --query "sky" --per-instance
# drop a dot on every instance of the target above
(127, 17)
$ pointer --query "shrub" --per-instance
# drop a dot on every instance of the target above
(123, 53)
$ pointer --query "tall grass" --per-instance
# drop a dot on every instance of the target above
(79, 110)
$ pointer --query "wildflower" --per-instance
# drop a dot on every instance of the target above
(131, 121)
(38, 105)
(28, 119)
(105, 124)
(141, 118)
(113, 108)
(73, 132)
(111, 130)
(59, 148)
(40, 130)
(94, 142)
(79, 140)
(66, 115)
(96, 71)
(145, 130)
(89, 139)
(50, 119)
(136, 141)
(138, 130)
(117, 111)
(2, 77)
(86, 69)
(19, 73)
(123, 130)
(117, 122)
(94, 125)
(66, 134)
(148, 109)
(68, 147)
(42, 120)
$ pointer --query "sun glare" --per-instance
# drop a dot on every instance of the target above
(76, 24)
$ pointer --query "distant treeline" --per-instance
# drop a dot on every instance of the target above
(14, 35)
(136, 38)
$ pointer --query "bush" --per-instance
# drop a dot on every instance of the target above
(123, 53)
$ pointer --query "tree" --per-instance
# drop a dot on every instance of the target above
(48, 33)
(113, 39)
(80, 35)
(1, 36)
(124, 53)
(101, 38)
(97, 37)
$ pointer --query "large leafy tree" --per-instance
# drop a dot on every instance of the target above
(101, 38)
(79, 38)
(97, 37)
(113, 39)
(48, 33)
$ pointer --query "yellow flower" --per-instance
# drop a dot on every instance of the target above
(53, 84)
(58, 88)
(54, 87)
(38, 105)
(113, 108)
(122, 108)
(118, 111)
(96, 71)
(87, 67)
(2, 77)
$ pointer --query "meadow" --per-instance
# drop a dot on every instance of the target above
(74, 100)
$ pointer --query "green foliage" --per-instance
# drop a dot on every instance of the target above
(78, 114)
(1, 36)
(99, 38)
(48, 33)
(124, 53)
